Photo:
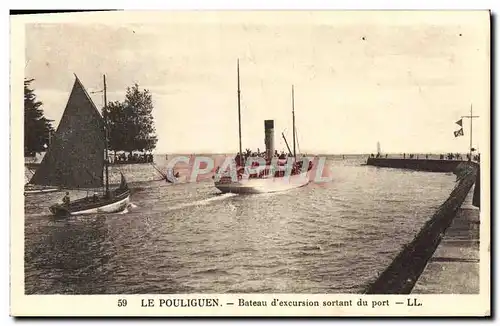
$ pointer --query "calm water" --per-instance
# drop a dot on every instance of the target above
(329, 238)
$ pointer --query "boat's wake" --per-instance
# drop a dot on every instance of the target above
(202, 202)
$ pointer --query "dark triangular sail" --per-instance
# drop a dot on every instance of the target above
(75, 158)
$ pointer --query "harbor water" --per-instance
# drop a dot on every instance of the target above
(334, 237)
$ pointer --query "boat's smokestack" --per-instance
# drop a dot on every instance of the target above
(269, 137)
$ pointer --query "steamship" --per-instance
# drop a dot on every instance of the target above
(278, 174)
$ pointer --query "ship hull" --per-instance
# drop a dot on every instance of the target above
(85, 206)
(263, 185)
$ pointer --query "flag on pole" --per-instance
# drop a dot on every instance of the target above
(459, 122)
(459, 132)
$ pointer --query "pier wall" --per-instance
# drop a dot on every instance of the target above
(476, 199)
(402, 274)
(415, 164)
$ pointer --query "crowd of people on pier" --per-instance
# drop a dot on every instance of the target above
(374, 156)
(447, 156)
(132, 158)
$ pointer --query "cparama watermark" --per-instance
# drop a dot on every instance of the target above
(197, 168)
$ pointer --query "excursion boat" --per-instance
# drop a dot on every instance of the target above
(78, 159)
(264, 182)
(277, 174)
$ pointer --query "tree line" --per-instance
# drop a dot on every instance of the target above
(130, 123)
(37, 128)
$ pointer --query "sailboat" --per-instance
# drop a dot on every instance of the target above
(78, 158)
(268, 179)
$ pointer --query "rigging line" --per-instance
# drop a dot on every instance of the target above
(282, 143)
(92, 175)
(159, 171)
(297, 139)
(119, 169)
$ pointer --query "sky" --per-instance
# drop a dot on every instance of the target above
(398, 78)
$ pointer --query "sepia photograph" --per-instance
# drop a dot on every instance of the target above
(305, 161)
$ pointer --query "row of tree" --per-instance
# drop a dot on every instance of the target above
(130, 123)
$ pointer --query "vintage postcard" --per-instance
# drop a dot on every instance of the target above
(250, 163)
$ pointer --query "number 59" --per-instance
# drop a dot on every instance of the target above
(122, 302)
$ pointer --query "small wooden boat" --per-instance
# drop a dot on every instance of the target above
(78, 159)
(169, 177)
(115, 201)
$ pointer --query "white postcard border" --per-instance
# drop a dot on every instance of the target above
(108, 305)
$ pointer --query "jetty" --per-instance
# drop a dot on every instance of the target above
(442, 235)
(454, 267)
(429, 165)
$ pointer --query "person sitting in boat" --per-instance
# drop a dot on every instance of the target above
(66, 199)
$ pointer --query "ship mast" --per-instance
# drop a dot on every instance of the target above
(470, 140)
(106, 137)
(239, 113)
(293, 121)
(470, 144)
